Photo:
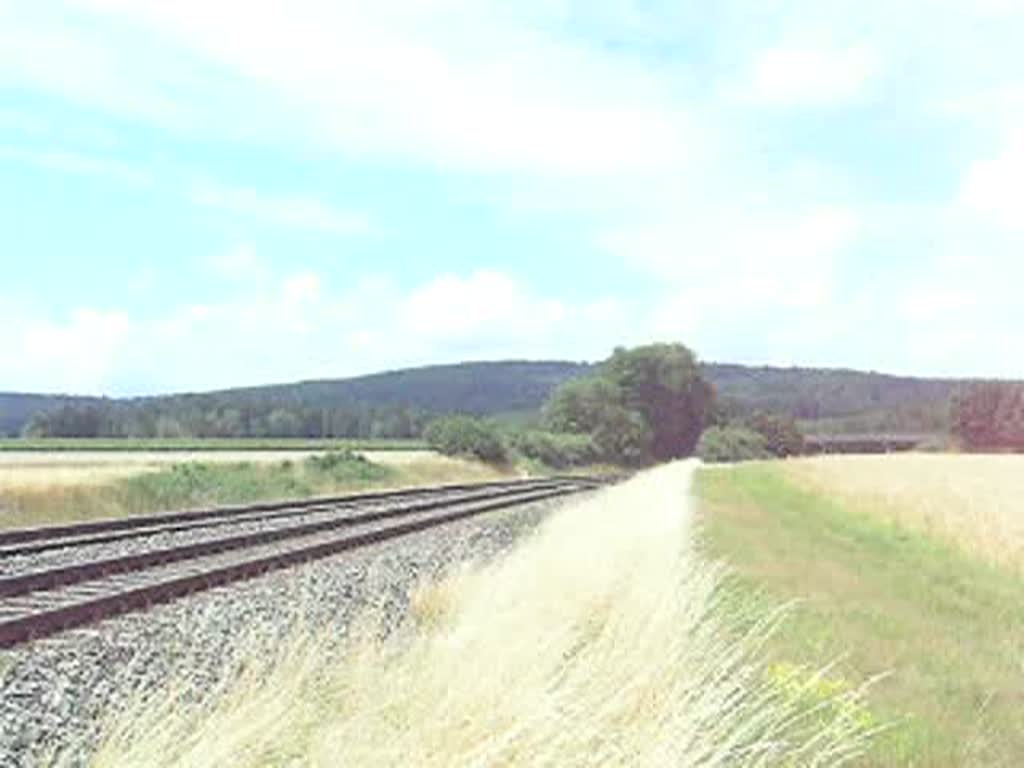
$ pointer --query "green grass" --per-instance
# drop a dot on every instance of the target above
(195, 484)
(946, 628)
(208, 444)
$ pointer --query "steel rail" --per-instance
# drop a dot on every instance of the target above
(21, 541)
(49, 538)
(34, 608)
(65, 575)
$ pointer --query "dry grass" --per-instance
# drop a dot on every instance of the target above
(44, 479)
(975, 501)
(400, 458)
(602, 641)
(28, 469)
(428, 468)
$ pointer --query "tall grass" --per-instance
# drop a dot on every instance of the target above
(603, 640)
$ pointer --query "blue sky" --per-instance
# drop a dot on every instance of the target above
(206, 194)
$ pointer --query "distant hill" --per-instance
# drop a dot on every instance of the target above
(837, 399)
(389, 404)
(485, 388)
(835, 395)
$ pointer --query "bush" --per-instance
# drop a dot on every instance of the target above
(781, 435)
(343, 460)
(729, 444)
(466, 436)
(556, 449)
(201, 484)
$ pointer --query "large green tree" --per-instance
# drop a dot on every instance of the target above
(663, 382)
(649, 402)
(594, 406)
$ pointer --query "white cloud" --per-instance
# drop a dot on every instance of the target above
(808, 76)
(299, 327)
(744, 260)
(80, 353)
(44, 47)
(300, 299)
(456, 84)
(484, 304)
(274, 331)
(299, 212)
(77, 162)
(931, 301)
(994, 188)
(240, 264)
(946, 319)
(745, 285)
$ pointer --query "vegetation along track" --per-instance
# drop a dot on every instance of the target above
(60, 577)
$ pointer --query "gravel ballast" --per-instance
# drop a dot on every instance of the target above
(56, 694)
(185, 533)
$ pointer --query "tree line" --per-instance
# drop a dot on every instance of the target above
(201, 418)
(640, 406)
(653, 403)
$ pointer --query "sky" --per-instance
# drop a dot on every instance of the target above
(208, 194)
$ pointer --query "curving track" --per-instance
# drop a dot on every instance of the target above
(60, 577)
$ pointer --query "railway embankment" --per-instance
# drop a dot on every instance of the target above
(56, 693)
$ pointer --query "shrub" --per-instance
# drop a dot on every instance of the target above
(201, 484)
(331, 461)
(556, 449)
(729, 444)
(466, 436)
(781, 435)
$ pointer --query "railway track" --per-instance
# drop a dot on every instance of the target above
(60, 577)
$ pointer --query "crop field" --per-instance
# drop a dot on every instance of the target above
(603, 639)
(972, 501)
(904, 570)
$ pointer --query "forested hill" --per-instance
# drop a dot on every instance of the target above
(396, 403)
(389, 404)
(491, 388)
(823, 393)
(485, 388)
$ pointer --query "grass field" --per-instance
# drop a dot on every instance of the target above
(603, 640)
(42, 488)
(901, 568)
